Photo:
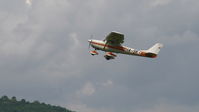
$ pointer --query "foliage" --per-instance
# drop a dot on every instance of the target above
(12, 105)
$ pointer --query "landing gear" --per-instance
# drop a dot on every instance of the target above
(108, 57)
(94, 53)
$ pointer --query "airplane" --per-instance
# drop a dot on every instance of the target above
(113, 44)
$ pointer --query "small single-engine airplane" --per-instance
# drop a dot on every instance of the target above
(112, 44)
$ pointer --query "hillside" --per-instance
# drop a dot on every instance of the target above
(12, 105)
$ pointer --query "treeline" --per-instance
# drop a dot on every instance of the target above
(12, 105)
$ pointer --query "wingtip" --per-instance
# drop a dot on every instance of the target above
(117, 32)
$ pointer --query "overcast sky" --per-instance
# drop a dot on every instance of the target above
(44, 54)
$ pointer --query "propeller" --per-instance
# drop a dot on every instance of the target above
(90, 41)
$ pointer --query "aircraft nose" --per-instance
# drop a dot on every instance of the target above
(89, 40)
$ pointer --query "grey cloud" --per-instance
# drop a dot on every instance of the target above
(44, 54)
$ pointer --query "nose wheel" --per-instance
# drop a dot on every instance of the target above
(93, 53)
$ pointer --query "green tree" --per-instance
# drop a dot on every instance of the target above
(23, 101)
(12, 105)
(14, 99)
(4, 98)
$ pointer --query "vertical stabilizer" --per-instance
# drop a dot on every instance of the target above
(155, 48)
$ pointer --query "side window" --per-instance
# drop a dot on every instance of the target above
(134, 51)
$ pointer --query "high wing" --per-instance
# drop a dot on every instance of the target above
(115, 38)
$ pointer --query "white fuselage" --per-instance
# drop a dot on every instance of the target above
(108, 47)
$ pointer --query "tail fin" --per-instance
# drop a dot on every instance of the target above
(155, 48)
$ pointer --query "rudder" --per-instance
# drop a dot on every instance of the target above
(155, 48)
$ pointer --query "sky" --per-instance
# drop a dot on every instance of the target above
(44, 54)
